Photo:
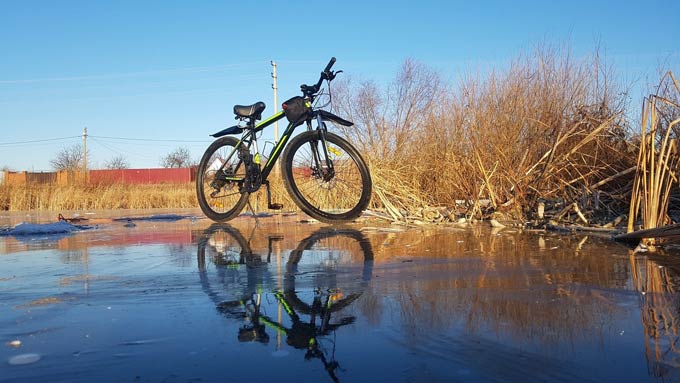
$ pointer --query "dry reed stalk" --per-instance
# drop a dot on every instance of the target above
(657, 164)
(396, 195)
(487, 178)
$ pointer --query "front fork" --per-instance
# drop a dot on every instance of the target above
(322, 161)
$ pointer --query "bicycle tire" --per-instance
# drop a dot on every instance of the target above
(352, 241)
(234, 248)
(228, 269)
(340, 199)
(230, 201)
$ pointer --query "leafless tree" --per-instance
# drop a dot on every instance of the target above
(70, 158)
(386, 119)
(178, 158)
(117, 162)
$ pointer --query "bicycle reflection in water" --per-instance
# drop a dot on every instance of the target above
(325, 261)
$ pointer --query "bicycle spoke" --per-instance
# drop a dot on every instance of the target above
(218, 190)
(333, 193)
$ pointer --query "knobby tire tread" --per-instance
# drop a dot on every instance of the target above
(200, 193)
(289, 182)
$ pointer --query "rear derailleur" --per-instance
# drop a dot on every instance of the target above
(221, 179)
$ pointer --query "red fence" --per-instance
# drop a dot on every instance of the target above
(143, 176)
(116, 176)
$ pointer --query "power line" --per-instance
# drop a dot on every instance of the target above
(120, 151)
(145, 139)
(199, 69)
(101, 137)
(36, 141)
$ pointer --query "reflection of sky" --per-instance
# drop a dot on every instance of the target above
(498, 308)
(42, 239)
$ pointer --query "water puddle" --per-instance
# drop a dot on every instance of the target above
(276, 299)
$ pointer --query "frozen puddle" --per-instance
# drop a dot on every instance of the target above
(27, 229)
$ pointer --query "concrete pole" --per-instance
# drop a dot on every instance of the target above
(85, 150)
(276, 100)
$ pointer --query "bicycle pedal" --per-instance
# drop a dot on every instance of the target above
(275, 206)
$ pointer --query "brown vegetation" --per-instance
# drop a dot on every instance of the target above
(83, 196)
(658, 157)
(550, 127)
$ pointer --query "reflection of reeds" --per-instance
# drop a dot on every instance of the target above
(507, 284)
(657, 162)
(660, 319)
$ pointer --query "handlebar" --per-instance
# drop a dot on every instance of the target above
(327, 74)
(330, 65)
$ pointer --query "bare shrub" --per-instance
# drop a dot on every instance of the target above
(178, 158)
(117, 162)
(70, 158)
(549, 127)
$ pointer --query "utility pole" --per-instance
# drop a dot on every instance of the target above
(85, 150)
(276, 101)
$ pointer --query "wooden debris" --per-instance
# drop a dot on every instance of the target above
(580, 215)
(615, 222)
(579, 228)
(496, 224)
(670, 233)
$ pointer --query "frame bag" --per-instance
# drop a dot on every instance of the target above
(297, 109)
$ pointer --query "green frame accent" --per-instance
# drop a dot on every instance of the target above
(276, 151)
(270, 120)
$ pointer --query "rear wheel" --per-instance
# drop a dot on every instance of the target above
(219, 179)
(331, 183)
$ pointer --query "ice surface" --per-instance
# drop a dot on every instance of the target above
(42, 228)
(157, 217)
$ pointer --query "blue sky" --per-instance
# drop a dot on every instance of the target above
(148, 76)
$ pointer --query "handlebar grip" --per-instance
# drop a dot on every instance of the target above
(330, 65)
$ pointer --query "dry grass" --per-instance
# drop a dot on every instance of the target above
(96, 197)
(549, 127)
(658, 157)
(78, 197)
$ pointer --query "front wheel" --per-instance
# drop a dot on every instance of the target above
(219, 180)
(331, 183)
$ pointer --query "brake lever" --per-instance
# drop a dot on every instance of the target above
(332, 75)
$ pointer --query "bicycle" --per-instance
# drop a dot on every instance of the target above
(323, 173)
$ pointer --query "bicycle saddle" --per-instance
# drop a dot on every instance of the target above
(250, 111)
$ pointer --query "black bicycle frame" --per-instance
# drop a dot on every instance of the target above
(276, 151)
